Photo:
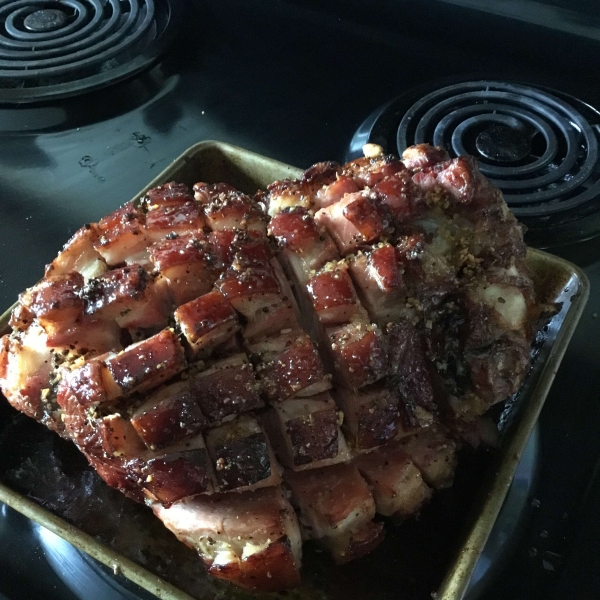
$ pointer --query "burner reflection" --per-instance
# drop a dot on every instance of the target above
(84, 576)
(504, 534)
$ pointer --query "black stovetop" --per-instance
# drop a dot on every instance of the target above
(294, 82)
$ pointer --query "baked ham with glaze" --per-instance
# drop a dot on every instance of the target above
(265, 370)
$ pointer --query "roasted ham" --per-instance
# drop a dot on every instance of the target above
(324, 347)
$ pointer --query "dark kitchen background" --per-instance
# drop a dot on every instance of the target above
(301, 82)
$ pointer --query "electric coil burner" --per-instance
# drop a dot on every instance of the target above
(539, 147)
(52, 49)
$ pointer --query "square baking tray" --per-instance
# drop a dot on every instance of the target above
(455, 552)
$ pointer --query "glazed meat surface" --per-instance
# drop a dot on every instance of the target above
(263, 370)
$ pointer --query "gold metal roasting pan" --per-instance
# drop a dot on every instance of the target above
(556, 280)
